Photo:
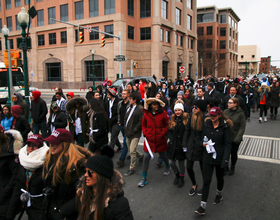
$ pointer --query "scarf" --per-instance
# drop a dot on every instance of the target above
(35, 159)
(90, 115)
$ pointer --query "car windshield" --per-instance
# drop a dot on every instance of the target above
(121, 81)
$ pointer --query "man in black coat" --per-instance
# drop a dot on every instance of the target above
(220, 85)
(57, 119)
(212, 96)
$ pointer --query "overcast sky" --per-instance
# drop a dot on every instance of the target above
(259, 24)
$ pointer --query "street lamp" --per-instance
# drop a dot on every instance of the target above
(6, 32)
(201, 67)
(23, 18)
(93, 80)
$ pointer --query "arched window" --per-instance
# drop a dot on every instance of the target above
(100, 68)
(53, 69)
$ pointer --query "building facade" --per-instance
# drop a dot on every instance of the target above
(217, 31)
(265, 65)
(159, 34)
(249, 57)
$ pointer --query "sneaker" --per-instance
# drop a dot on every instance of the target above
(231, 172)
(193, 191)
(260, 119)
(142, 183)
(199, 193)
(200, 211)
(129, 173)
(218, 199)
(119, 149)
(120, 163)
(141, 160)
(167, 171)
(159, 164)
(265, 119)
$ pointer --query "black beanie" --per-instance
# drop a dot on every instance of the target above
(201, 104)
(211, 84)
(102, 162)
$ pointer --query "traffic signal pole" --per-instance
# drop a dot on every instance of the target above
(10, 84)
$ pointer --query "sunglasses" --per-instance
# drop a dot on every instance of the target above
(195, 107)
(89, 173)
(230, 102)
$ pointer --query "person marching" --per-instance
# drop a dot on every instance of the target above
(155, 127)
(175, 150)
(215, 154)
(192, 141)
(235, 113)
(263, 100)
(57, 118)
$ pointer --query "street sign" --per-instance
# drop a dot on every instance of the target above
(120, 56)
(182, 69)
(120, 59)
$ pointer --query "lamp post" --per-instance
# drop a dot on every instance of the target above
(93, 80)
(5, 32)
(201, 67)
(23, 18)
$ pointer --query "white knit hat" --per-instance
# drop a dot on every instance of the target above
(179, 106)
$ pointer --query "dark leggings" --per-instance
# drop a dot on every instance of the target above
(234, 150)
(191, 172)
(248, 111)
(263, 109)
(275, 110)
(181, 169)
(207, 177)
(147, 158)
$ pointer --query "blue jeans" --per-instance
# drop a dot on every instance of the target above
(124, 150)
(42, 126)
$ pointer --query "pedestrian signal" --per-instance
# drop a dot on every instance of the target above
(18, 59)
(102, 41)
(135, 65)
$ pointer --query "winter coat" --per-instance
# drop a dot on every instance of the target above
(248, 96)
(172, 95)
(22, 125)
(222, 139)
(266, 94)
(9, 165)
(23, 105)
(175, 135)
(274, 97)
(85, 124)
(6, 123)
(133, 128)
(192, 141)
(155, 128)
(114, 117)
(220, 86)
(237, 130)
(62, 196)
(89, 96)
(39, 111)
(119, 109)
(224, 103)
(214, 99)
(60, 121)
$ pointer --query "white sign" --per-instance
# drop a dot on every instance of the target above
(182, 69)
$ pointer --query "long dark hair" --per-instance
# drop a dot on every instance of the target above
(9, 115)
(3, 140)
(96, 106)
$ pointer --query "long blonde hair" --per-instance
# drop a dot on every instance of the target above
(58, 167)
(173, 121)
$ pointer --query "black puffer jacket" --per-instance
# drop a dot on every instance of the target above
(192, 141)
(60, 121)
(101, 136)
(39, 111)
(221, 137)
(22, 125)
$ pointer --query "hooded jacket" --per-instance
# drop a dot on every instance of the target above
(60, 120)
(39, 108)
(265, 93)
(22, 103)
(20, 123)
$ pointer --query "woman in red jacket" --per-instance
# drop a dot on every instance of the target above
(155, 127)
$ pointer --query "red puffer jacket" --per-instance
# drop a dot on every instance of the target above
(155, 128)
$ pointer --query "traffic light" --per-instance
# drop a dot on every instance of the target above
(135, 65)
(18, 59)
(102, 41)
(6, 58)
(81, 37)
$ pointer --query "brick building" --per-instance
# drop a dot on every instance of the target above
(217, 31)
(265, 65)
(159, 34)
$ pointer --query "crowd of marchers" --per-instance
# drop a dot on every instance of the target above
(51, 175)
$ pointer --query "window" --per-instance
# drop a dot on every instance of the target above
(51, 12)
(145, 8)
(26, 2)
(93, 35)
(17, 3)
(181, 41)
(79, 10)
(161, 34)
(63, 37)
(233, 34)
(165, 69)
(222, 44)
(145, 33)
(223, 31)
(11, 43)
(229, 20)
(192, 44)
(130, 8)
(1, 25)
(217, 31)
(109, 6)
(229, 44)
(209, 43)
(52, 38)
(54, 71)
(200, 31)
(217, 18)
(40, 17)
(189, 4)
(222, 56)
(230, 32)
(207, 17)
(38, 0)
(188, 43)
(99, 73)
(167, 36)
(17, 24)
(189, 26)
(253, 56)
(223, 19)
(178, 16)
(8, 4)
(208, 55)
(109, 29)
(209, 30)
(64, 12)
(164, 9)
(9, 23)
(130, 33)
(200, 44)
(41, 40)
(176, 39)
(0, 45)
(93, 8)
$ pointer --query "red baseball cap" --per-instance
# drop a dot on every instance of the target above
(59, 135)
(35, 139)
(215, 111)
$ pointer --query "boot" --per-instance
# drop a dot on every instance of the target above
(231, 172)
(181, 182)
(176, 180)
